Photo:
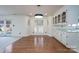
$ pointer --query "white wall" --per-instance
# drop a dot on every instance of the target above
(73, 14)
(21, 27)
(20, 22)
(49, 26)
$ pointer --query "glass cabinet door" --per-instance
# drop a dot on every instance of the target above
(63, 17)
(55, 19)
(58, 18)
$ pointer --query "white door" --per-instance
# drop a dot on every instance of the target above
(38, 27)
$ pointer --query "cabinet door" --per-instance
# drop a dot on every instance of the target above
(72, 40)
(55, 19)
(64, 38)
(59, 19)
(63, 17)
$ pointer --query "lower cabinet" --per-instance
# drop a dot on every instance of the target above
(69, 39)
(62, 37)
(73, 40)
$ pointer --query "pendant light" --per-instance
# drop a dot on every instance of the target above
(38, 15)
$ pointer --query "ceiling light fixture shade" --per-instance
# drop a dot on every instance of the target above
(38, 15)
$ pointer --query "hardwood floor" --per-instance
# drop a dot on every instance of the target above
(39, 44)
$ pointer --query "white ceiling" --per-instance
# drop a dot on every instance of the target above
(29, 10)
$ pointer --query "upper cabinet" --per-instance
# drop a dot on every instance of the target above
(55, 19)
(60, 18)
(63, 17)
(68, 14)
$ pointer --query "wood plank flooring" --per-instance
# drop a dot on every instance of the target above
(39, 44)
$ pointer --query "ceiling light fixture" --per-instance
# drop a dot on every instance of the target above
(38, 15)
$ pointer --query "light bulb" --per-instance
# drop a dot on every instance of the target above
(38, 16)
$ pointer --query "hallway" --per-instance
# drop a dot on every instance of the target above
(39, 44)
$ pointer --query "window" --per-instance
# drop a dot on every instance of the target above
(39, 22)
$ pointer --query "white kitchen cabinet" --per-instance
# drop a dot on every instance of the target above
(64, 38)
(69, 39)
(6, 41)
(73, 40)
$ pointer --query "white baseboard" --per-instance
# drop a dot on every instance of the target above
(50, 35)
